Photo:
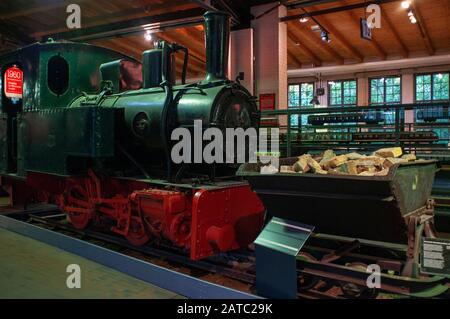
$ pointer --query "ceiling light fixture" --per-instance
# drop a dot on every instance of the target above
(324, 36)
(304, 20)
(406, 4)
(148, 36)
(315, 100)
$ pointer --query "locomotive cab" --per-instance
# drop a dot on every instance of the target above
(39, 79)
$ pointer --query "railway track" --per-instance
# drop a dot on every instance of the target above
(234, 270)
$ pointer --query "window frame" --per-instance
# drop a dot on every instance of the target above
(300, 99)
(432, 74)
(384, 90)
(342, 93)
(300, 91)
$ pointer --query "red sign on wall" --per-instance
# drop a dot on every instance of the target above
(13, 82)
(267, 102)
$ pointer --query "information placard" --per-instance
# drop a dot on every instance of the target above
(435, 257)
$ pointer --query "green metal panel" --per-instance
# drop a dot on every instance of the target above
(111, 72)
(412, 185)
(61, 140)
(84, 76)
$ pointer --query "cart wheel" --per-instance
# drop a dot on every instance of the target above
(354, 291)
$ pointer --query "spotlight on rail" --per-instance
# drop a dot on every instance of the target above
(324, 36)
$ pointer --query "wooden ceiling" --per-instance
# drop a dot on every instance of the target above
(397, 37)
(24, 21)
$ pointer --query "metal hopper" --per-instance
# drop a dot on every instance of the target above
(374, 208)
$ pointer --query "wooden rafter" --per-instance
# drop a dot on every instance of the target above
(199, 56)
(423, 29)
(339, 37)
(191, 37)
(403, 48)
(294, 59)
(315, 60)
(374, 42)
(29, 10)
(308, 35)
(128, 14)
(133, 48)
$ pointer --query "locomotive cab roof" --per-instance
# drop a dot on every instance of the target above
(56, 72)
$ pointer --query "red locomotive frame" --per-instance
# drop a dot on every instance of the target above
(206, 220)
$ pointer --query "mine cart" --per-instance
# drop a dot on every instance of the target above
(357, 221)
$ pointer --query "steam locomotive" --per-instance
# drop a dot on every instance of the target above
(89, 129)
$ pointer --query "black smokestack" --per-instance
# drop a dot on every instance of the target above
(217, 37)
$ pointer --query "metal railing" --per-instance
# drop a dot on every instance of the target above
(422, 128)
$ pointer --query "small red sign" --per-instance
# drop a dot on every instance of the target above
(267, 102)
(13, 82)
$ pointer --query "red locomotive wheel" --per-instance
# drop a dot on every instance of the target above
(79, 220)
(137, 234)
(77, 199)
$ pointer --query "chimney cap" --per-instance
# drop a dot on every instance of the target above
(218, 12)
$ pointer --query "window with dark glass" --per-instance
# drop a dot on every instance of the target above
(342, 93)
(300, 95)
(434, 87)
(58, 75)
(385, 91)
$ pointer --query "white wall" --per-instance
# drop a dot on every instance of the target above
(241, 57)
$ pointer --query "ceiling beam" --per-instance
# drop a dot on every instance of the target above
(132, 48)
(337, 35)
(423, 29)
(191, 38)
(293, 58)
(295, 4)
(197, 55)
(403, 48)
(119, 15)
(374, 43)
(314, 59)
(15, 32)
(41, 7)
(339, 8)
(117, 27)
(309, 35)
(224, 6)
